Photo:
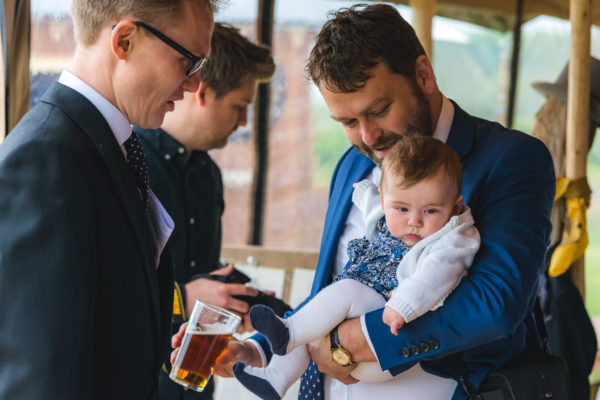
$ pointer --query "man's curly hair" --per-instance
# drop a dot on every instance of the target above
(355, 39)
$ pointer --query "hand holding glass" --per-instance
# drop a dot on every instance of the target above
(209, 330)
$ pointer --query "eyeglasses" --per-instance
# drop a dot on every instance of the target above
(197, 63)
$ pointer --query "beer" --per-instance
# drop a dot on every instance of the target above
(201, 352)
(209, 330)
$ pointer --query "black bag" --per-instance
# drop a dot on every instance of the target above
(277, 305)
(530, 376)
(542, 377)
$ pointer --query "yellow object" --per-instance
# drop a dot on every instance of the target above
(562, 184)
(178, 305)
(575, 238)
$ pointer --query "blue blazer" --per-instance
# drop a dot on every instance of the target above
(509, 183)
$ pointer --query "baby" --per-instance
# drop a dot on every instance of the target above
(409, 261)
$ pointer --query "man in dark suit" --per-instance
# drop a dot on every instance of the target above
(85, 287)
(189, 183)
(379, 84)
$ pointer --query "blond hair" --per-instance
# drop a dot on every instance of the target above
(91, 16)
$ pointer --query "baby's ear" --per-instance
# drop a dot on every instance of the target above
(458, 205)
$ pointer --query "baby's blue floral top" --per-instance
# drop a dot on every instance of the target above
(374, 263)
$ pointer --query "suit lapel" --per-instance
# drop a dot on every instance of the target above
(89, 119)
(462, 132)
(353, 169)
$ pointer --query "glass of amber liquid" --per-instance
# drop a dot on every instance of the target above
(209, 330)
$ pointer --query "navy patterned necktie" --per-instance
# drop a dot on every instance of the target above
(311, 384)
(138, 165)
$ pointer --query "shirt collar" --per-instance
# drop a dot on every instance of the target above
(442, 128)
(172, 150)
(117, 122)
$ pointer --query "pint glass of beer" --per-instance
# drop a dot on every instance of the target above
(208, 332)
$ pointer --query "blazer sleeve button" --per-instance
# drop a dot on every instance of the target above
(415, 351)
(405, 352)
(424, 347)
(434, 344)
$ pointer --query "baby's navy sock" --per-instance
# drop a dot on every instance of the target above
(265, 321)
(255, 380)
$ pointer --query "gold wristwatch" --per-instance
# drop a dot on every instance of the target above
(340, 356)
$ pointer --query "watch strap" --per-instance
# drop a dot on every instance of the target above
(334, 339)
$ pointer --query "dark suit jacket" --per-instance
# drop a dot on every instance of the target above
(84, 313)
(508, 181)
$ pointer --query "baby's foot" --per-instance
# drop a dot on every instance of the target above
(265, 321)
(255, 381)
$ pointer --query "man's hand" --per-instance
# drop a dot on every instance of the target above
(321, 355)
(353, 341)
(176, 341)
(220, 294)
(237, 351)
(393, 319)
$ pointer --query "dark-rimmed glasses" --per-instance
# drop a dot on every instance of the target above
(197, 63)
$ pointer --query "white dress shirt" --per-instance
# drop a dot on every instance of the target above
(161, 223)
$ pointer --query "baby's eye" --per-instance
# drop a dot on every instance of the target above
(430, 211)
(403, 209)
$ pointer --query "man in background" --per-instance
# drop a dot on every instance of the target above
(189, 183)
(86, 289)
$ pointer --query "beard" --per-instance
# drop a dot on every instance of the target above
(421, 124)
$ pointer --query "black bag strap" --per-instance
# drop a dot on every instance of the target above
(456, 367)
(541, 325)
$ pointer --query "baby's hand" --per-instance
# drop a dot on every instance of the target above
(355, 184)
(393, 319)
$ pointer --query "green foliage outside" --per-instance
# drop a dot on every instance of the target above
(592, 255)
(329, 144)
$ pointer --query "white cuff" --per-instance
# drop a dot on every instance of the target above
(263, 357)
(363, 325)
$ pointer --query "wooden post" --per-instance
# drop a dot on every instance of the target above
(423, 12)
(17, 28)
(578, 106)
(2, 94)
(264, 35)
(514, 64)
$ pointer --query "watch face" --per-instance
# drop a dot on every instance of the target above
(340, 357)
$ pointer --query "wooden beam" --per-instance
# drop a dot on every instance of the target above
(272, 257)
(422, 22)
(578, 106)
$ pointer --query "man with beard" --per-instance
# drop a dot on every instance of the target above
(189, 183)
(379, 84)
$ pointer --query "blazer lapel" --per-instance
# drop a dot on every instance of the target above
(462, 132)
(356, 168)
(89, 119)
